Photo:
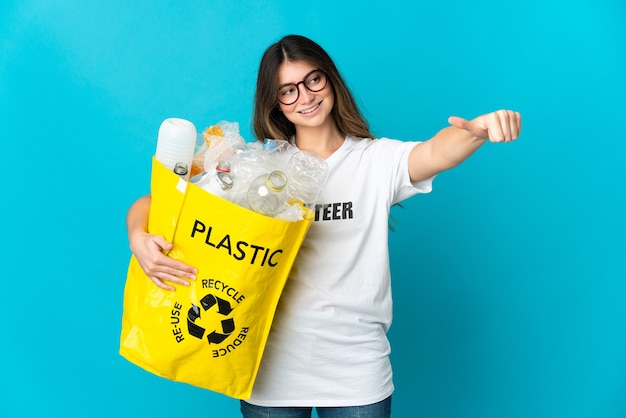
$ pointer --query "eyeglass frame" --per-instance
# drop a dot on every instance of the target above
(303, 82)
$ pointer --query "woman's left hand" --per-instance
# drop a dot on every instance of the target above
(499, 126)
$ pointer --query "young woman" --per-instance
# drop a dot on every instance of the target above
(328, 347)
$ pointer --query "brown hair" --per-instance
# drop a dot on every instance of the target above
(269, 121)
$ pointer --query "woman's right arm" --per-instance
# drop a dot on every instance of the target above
(149, 249)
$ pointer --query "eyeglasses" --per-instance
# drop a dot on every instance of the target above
(314, 81)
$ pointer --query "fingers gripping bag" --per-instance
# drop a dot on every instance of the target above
(211, 334)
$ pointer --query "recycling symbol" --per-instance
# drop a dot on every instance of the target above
(223, 308)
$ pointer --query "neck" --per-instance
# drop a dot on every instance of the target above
(322, 141)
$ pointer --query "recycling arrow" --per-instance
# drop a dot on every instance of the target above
(223, 308)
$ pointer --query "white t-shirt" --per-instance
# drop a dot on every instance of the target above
(328, 344)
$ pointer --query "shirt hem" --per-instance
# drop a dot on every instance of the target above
(319, 402)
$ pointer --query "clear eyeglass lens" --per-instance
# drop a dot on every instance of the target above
(288, 94)
(315, 81)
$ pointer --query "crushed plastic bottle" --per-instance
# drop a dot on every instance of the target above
(218, 181)
(307, 174)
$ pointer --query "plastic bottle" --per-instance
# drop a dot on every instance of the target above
(267, 194)
(182, 169)
(176, 142)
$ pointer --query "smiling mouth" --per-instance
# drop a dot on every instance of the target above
(311, 110)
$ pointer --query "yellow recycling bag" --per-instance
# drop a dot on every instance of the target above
(212, 333)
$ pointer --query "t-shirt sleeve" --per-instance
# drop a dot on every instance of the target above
(422, 186)
(398, 156)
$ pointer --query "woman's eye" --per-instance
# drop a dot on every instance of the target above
(287, 91)
(313, 81)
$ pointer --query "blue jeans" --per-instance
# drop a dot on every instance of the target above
(380, 409)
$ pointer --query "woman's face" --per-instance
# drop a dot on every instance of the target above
(311, 109)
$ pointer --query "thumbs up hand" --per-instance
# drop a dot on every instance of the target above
(499, 126)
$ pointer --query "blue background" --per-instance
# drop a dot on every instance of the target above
(509, 279)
